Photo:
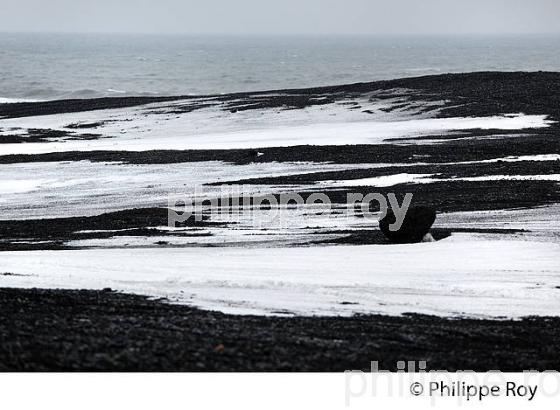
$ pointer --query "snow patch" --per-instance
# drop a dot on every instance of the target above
(454, 277)
(164, 126)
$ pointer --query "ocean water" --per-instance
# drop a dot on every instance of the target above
(55, 66)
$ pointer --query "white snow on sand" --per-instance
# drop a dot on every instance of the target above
(58, 189)
(453, 277)
(404, 178)
(310, 224)
(7, 100)
(251, 266)
(55, 189)
(157, 126)
(548, 177)
(382, 181)
(21, 185)
(542, 221)
(537, 158)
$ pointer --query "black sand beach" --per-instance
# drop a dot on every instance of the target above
(58, 330)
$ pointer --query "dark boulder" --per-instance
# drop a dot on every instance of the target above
(416, 225)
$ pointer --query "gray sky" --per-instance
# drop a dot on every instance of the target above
(282, 16)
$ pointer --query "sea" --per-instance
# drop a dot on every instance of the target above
(58, 66)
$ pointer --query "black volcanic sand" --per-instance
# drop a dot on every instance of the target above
(88, 330)
(46, 135)
(43, 234)
(439, 171)
(57, 330)
(454, 196)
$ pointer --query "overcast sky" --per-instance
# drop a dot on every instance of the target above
(282, 16)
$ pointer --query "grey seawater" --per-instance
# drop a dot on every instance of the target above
(54, 66)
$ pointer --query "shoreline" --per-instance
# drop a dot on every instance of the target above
(494, 93)
(108, 331)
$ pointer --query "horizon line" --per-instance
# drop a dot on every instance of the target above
(303, 34)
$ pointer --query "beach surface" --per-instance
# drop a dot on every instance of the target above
(84, 195)
(56, 330)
